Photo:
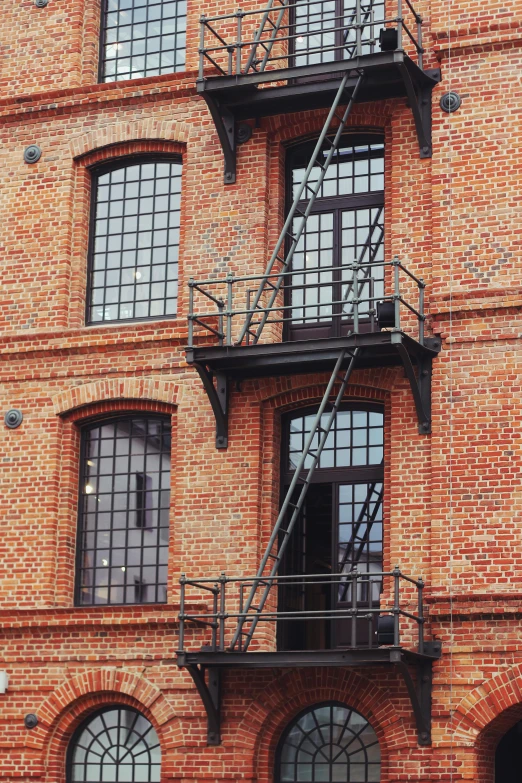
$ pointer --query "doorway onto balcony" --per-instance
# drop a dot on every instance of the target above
(338, 259)
(339, 530)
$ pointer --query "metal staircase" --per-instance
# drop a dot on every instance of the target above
(290, 234)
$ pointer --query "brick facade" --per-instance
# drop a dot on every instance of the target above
(453, 510)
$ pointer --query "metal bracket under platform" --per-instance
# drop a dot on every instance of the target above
(219, 366)
(206, 669)
(232, 99)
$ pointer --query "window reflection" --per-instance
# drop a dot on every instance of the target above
(124, 513)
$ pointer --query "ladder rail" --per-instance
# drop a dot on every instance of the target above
(261, 29)
(307, 451)
(294, 208)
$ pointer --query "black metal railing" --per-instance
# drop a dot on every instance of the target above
(362, 601)
(221, 306)
(283, 34)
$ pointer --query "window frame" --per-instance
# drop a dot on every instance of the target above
(295, 720)
(95, 172)
(85, 722)
(335, 205)
(83, 427)
(102, 38)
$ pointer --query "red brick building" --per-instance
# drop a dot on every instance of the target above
(260, 267)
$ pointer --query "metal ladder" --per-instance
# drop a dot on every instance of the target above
(286, 237)
(281, 533)
(266, 21)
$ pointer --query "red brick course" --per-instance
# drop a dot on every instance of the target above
(454, 504)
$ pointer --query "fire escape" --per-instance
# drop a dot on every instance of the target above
(281, 58)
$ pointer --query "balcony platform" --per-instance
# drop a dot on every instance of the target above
(232, 99)
(234, 363)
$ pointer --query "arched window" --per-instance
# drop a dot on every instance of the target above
(340, 527)
(123, 529)
(115, 744)
(142, 38)
(345, 228)
(133, 259)
(329, 742)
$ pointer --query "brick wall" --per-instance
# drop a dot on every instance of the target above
(454, 503)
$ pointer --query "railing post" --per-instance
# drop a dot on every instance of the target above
(182, 581)
(239, 15)
(202, 22)
(399, 24)
(421, 616)
(190, 316)
(222, 606)
(396, 606)
(230, 294)
(356, 293)
(358, 28)
(396, 292)
(420, 50)
(355, 576)
(421, 311)
(215, 618)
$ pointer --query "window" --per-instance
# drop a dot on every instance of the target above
(328, 743)
(133, 270)
(339, 529)
(142, 38)
(345, 227)
(123, 530)
(118, 744)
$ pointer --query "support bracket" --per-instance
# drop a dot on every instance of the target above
(420, 103)
(225, 124)
(420, 382)
(218, 397)
(419, 690)
(209, 688)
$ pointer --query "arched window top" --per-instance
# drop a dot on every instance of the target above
(329, 742)
(356, 437)
(357, 166)
(115, 744)
(133, 269)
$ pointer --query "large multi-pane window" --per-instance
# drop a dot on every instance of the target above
(340, 527)
(142, 38)
(340, 253)
(329, 30)
(124, 511)
(115, 744)
(133, 270)
(331, 743)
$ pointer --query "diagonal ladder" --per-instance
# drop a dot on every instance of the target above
(288, 236)
(280, 7)
(247, 623)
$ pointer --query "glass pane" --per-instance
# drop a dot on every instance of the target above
(141, 42)
(309, 753)
(116, 745)
(129, 253)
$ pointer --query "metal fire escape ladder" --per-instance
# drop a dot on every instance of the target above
(272, 288)
(281, 533)
(253, 63)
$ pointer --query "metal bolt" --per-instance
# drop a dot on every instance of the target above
(13, 418)
(32, 153)
(31, 721)
(40, 3)
(450, 101)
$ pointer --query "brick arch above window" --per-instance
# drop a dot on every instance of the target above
(72, 701)
(266, 718)
(107, 391)
(146, 130)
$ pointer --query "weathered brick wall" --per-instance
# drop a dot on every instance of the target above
(454, 505)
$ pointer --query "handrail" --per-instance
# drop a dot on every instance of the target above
(227, 605)
(231, 42)
(219, 306)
